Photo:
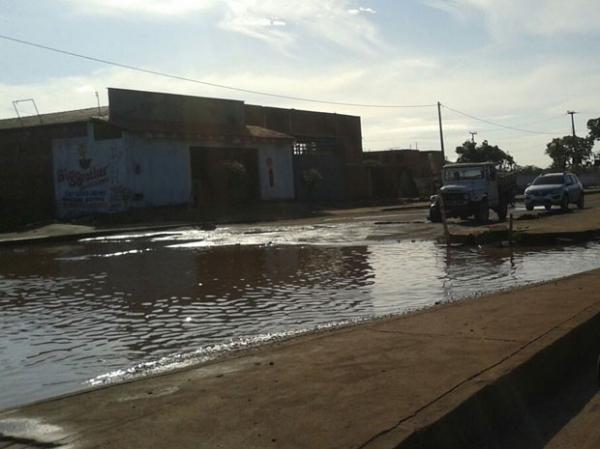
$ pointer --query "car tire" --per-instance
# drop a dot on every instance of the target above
(598, 370)
(548, 207)
(564, 203)
(435, 215)
(581, 202)
(502, 210)
(483, 213)
(528, 206)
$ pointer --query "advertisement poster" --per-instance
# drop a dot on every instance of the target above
(87, 176)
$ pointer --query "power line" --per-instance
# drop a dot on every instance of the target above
(206, 83)
(489, 122)
(537, 122)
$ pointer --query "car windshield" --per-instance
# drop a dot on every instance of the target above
(462, 173)
(548, 180)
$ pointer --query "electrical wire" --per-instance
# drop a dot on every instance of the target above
(261, 93)
(489, 122)
(206, 83)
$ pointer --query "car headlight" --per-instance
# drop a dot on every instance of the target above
(433, 198)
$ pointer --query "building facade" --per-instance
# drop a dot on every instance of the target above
(328, 143)
(404, 173)
(149, 149)
(144, 150)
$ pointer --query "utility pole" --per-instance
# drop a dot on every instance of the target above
(473, 134)
(439, 106)
(572, 113)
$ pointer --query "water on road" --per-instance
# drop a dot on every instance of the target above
(101, 310)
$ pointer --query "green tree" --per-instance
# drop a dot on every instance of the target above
(529, 170)
(471, 152)
(569, 151)
(594, 128)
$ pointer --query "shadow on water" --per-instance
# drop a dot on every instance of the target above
(105, 309)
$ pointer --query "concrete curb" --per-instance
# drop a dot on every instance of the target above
(407, 207)
(525, 238)
(502, 405)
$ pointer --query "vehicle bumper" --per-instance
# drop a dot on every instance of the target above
(542, 200)
(459, 210)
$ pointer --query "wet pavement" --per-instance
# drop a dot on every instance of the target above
(105, 309)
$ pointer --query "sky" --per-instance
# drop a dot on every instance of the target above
(518, 63)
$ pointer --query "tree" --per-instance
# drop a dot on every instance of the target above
(569, 151)
(471, 152)
(594, 128)
(529, 170)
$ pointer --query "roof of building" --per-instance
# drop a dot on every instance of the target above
(264, 133)
(55, 118)
(84, 115)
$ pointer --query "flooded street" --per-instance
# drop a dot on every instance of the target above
(101, 310)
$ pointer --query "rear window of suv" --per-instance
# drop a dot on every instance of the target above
(548, 180)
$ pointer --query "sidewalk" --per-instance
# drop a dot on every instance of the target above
(408, 381)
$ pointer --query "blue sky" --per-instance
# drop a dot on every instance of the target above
(521, 63)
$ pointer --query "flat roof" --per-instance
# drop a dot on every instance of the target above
(54, 118)
(84, 115)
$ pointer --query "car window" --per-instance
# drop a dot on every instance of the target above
(549, 180)
(457, 174)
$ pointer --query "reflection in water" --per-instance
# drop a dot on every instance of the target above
(71, 313)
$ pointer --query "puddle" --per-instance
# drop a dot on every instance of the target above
(106, 309)
(29, 433)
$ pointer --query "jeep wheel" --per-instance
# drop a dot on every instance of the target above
(528, 206)
(598, 370)
(502, 210)
(581, 202)
(564, 203)
(483, 213)
(435, 215)
(548, 206)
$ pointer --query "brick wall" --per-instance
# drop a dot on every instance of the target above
(26, 175)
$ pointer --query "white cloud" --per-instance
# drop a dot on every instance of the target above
(326, 20)
(360, 10)
(279, 23)
(150, 7)
(510, 18)
(514, 97)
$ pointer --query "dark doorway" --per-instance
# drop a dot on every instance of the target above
(224, 176)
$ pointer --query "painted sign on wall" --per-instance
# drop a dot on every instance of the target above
(86, 176)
